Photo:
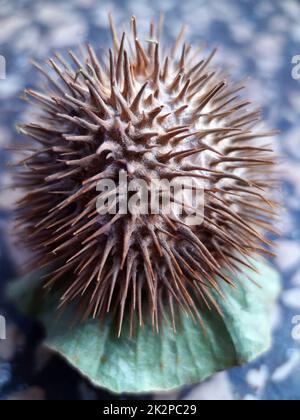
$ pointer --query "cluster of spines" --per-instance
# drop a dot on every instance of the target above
(153, 114)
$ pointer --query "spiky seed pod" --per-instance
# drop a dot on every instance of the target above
(155, 113)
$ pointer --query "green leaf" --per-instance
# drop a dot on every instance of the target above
(152, 362)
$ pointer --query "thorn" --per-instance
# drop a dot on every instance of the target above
(164, 138)
(182, 93)
(162, 118)
(142, 60)
(134, 28)
(95, 63)
(156, 69)
(113, 31)
(150, 100)
(209, 96)
(165, 72)
(99, 101)
(128, 85)
(182, 58)
(178, 40)
(152, 114)
(137, 100)
(174, 85)
(120, 59)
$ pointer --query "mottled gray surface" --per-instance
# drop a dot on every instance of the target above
(257, 38)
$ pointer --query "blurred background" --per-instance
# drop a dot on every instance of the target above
(256, 38)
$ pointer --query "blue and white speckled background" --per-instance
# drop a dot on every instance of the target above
(257, 38)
